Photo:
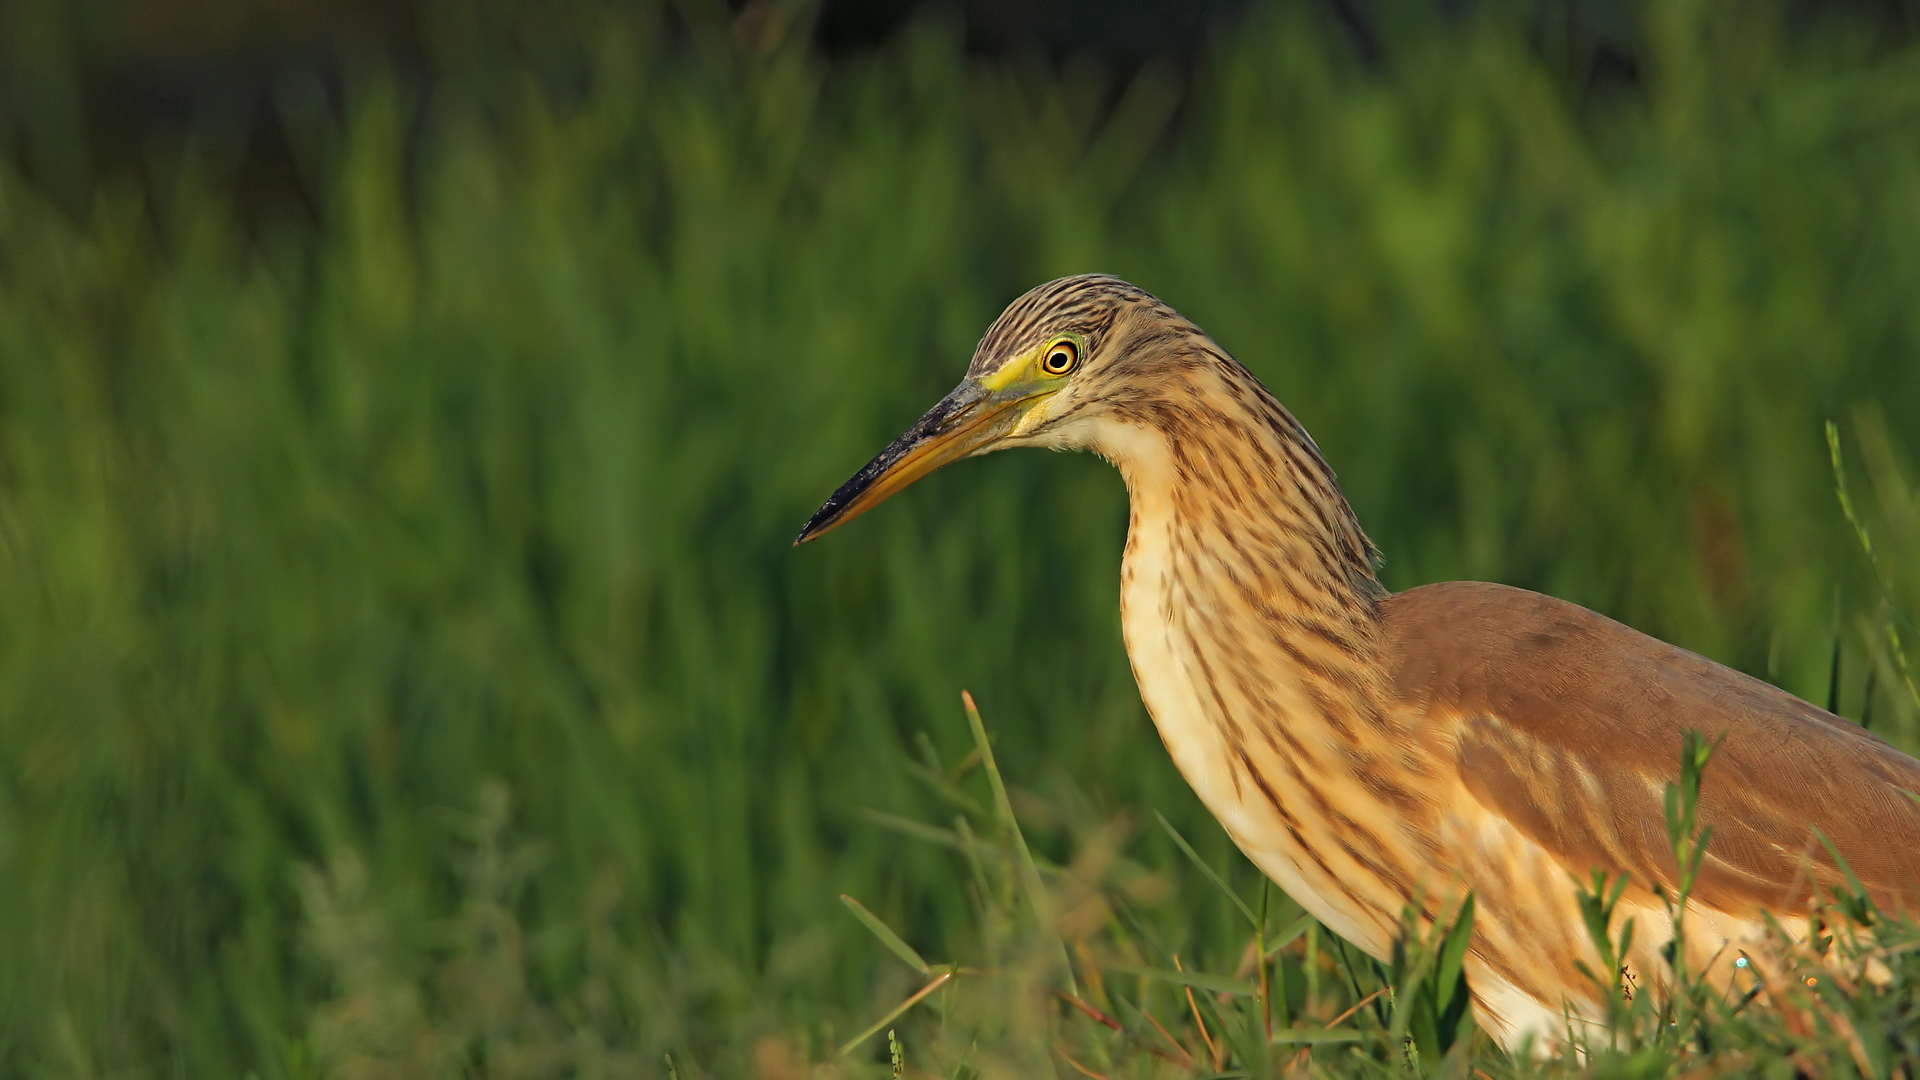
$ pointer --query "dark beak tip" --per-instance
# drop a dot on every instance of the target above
(819, 523)
(833, 512)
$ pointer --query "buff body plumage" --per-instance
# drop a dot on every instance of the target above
(1370, 751)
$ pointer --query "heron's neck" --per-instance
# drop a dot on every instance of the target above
(1240, 528)
(1251, 618)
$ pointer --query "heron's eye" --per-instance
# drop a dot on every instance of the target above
(1061, 358)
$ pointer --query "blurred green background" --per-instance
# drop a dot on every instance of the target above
(401, 649)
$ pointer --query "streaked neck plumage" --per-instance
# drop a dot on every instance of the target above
(1250, 611)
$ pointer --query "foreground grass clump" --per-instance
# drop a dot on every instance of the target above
(316, 539)
(1071, 977)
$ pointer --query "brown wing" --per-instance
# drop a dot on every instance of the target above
(1569, 725)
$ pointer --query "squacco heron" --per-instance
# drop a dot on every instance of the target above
(1370, 750)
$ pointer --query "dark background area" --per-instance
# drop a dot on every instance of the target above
(138, 75)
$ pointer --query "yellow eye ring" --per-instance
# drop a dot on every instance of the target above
(1060, 359)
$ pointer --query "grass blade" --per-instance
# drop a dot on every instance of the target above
(1453, 953)
(937, 783)
(1198, 980)
(1287, 937)
(1319, 1035)
(886, 935)
(878, 1025)
(919, 830)
(1029, 871)
(1833, 665)
(1252, 919)
(1846, 501)
(1857, 893)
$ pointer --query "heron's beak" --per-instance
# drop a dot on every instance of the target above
(963, 422)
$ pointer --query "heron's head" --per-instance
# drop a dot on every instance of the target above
(1051, 370)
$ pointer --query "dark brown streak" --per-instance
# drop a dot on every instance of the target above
(1312, 853)
(1330, 712)
(1273, 799)
(1328, 634)
(1306, 663)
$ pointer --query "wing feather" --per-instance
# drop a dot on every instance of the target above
(1569, 724)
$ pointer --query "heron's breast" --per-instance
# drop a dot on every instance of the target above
(1161, 649)
(1160, 655)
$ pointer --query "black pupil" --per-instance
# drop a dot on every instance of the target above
(1059, 359)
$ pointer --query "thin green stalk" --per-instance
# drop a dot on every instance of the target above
(1029, 870)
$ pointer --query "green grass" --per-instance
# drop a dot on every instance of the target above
(1793, 1007)
(403, 667)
